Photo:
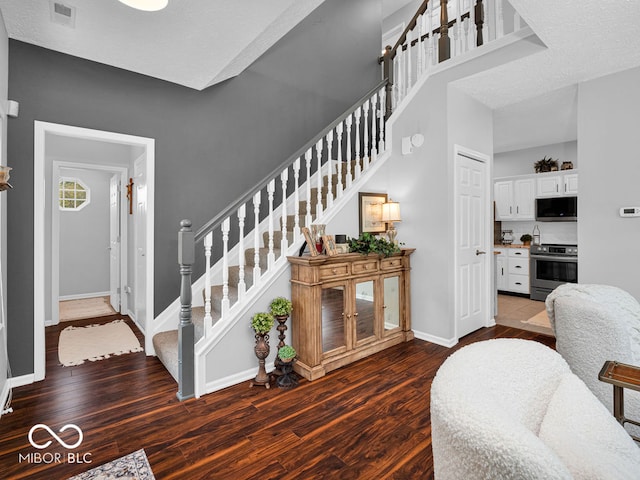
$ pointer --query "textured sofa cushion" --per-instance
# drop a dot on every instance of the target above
(586, 437)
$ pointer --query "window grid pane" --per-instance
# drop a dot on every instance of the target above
(72, 194)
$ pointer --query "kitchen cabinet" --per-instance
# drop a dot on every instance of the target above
(346, 307)
(557, 185)
(515, 199)
(512, 270)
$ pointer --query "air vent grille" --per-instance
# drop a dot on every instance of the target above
(63, 14)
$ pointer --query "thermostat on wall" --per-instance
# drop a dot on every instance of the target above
(630, 212)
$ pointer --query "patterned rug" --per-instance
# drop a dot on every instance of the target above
(134, 466)
(96, 342)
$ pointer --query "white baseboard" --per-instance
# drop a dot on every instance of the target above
(82, 296)
(234, 379)
(22, 380)
(444, 342)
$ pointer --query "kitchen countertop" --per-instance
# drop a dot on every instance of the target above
(513, 245)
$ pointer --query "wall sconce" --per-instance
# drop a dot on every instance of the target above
(391, 214)
(4, 178)
(408, 143)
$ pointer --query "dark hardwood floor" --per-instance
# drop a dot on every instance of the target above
(367, 420)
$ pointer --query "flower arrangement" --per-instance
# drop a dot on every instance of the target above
(262, 322)
(280, 307)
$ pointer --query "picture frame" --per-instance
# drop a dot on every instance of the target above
(370, 212)
(310, 243)
(329, 245)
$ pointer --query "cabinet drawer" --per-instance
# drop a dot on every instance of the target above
(334, 271)
(365, 267)
(519, 266)
(390, 263)
(519, 283)
(519, 252)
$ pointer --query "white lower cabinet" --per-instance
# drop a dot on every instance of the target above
(512, 274)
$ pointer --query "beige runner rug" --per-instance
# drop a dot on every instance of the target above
(96, 342)
(541, 319)
(85, 308)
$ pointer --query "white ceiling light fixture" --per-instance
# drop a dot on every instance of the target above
(146, 5)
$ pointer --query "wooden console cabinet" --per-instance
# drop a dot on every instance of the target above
(346, 307)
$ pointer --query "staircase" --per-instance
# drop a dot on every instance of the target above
(312, 186)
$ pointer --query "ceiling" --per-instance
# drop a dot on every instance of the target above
(198, 43)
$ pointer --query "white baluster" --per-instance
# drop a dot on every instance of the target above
(499, 19)
(358, 115)
(296, 200)
(473, 40)
(395, 91)
(242, 286)
(319, 145)
(465, 27)
(409, 62)
(365, 135)
(374, 127)
(307, 157)
(284, 243)
(226, 225)
(348, 122)
(420, 45)
(485, 26)
(208, 323)
(430, 40)
(271, 188)
(340, 185)
(382, 124)
(256, 237)
(330, 169)
(457, 31)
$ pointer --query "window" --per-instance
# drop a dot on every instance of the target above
(72, 194)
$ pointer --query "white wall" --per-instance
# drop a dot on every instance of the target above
(4, 74)
(608, 126)
(520, 162)
(84, 238)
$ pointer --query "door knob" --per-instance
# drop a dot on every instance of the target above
(480, 252)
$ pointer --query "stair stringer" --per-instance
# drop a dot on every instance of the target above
(206, 381)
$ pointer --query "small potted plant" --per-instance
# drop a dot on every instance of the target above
(280, 307)
(367, 243)
(262, 323)
(287, 353)
(526, 239)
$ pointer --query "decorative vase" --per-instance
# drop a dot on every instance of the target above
(261, 350)
(282, 327)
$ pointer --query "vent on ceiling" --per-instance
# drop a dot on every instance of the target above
(63, 14)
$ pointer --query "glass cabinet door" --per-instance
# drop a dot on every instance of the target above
(391, 303)
(364, 313)
(333, 318)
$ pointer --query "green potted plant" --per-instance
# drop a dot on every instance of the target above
(526, 239)
(262, 323)
(280, 307)
(367, 243)
(287, 353)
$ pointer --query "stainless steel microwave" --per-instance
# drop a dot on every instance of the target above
(557, 209)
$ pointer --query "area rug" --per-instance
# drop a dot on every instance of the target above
(85, 308)
(134, 466)
(541, 319)
(96, 342)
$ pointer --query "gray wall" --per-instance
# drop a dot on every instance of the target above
(520, 162)
(4, 66)
(608, 121)
(211, 146)
(84, 238)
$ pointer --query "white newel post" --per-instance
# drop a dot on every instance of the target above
(208, 321)
(271, 188)
(256, 237)
(284, 243)
(296, 200)
(319, 178)
(307, 158)
(242, 286)
(226, 226)
(340, 185)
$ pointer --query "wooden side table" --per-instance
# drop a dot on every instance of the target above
(621, 376)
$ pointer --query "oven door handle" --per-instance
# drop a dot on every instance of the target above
(555, 259)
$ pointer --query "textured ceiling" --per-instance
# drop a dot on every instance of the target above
(195, 43)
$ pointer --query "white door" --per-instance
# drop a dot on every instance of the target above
(140, 241)
(471, 244)
(114, 242)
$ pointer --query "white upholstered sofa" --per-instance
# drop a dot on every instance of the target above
(512, 409)
(593, 324)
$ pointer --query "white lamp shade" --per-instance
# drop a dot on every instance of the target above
(146, 5)
(391, 212)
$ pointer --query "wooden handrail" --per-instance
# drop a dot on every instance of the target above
(409, 28)
(233, 207)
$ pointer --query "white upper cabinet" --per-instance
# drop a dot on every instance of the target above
(515, 199)
(557, 184)
(571, 184)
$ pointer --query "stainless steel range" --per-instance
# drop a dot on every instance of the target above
(551, 266)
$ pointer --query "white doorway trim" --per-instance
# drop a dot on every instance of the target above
(487, 234)
(40, 215)
(55, 233)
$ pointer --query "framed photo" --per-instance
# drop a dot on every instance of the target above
(370, 212)
(329, 245)
(310, 243)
